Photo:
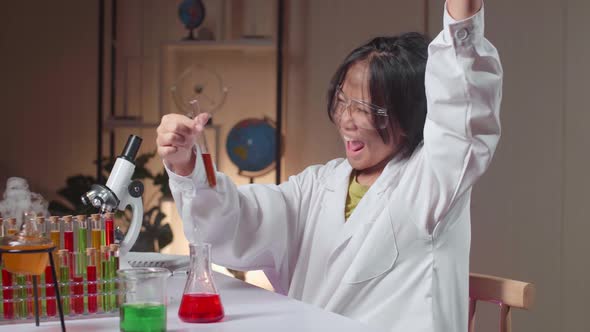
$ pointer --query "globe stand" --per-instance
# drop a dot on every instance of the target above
(49, 251)
(191, 35)
(252, 175)
(241, 173)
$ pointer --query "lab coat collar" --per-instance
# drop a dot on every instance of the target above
(340, 177)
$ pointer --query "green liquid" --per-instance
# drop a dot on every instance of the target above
(114, 286)
(21, 294)
(143, 317)
(107, 286)
(82, 244)
(82, 240)
(64, 290)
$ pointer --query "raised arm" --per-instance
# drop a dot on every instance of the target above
(463, 89)
(462, 9)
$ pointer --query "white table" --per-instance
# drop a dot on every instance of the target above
(247, 308)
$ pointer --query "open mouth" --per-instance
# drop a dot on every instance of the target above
(353, 146)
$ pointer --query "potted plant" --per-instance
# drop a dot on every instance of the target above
(154, 235)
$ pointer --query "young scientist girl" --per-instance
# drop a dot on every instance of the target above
(382, 236)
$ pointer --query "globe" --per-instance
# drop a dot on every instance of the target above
(251, 146)
(191, 14)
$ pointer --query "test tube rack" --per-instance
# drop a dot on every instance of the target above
(19, 307)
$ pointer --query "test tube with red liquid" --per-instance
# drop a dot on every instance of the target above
(91, 280)
(8, 294)
(204, 147)
(109, 229)
(68, 233)
(50, 304)
(77, 284)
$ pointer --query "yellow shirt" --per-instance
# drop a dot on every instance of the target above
(356, 191)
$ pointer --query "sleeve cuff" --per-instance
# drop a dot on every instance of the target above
(189, 183)
(463, 32)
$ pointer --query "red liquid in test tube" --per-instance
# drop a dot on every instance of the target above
(92, 289)
(50, 293)
(78, 295)
(8, 295)
(209, 169)
(92, 286)
(69, 246)
(68, 229)
(109, 228)
(69, 241)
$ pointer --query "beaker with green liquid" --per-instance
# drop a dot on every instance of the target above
(142, 299)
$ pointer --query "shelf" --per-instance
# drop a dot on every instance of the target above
(244, 45)
(129, 123)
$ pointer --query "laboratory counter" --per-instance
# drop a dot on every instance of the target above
(247, 308)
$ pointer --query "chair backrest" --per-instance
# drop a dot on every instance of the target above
(504, 292)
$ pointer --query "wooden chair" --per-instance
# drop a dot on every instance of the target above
(504, 292)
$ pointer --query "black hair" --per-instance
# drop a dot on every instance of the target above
(396, 65)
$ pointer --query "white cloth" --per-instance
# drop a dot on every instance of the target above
(401, 261)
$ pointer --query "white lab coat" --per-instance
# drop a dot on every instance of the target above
(401, 261)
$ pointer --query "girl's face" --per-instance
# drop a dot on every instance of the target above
(365, 149)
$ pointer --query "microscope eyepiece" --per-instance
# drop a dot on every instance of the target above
(131, 148)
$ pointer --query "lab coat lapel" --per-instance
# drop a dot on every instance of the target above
(368, 208)
(336, 185)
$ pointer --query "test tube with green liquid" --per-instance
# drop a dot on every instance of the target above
(21, 296)
(96, 239)
(114, 266)
(82, 243)
(64, 279)
(106, 279)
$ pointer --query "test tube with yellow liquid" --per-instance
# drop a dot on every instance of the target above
(54, 231)
(96, 232)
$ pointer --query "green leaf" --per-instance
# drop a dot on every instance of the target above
(165, 236)
(144, 158)
(161, 179)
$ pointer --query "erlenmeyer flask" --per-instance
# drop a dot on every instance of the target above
(200, 301)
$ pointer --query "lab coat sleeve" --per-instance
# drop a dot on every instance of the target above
(464, 89)
(250, 227)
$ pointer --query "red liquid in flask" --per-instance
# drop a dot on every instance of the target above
(50, 292)
(209, 169)
(200, 308)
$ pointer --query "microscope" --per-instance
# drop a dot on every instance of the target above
(119, 192)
